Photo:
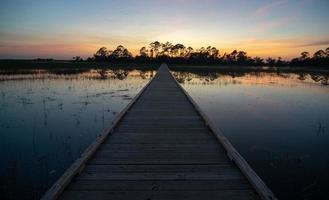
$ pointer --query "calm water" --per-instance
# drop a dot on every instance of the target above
(278, 122)
(48, 119)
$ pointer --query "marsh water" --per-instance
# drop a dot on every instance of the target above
(47, 119)
(279, 122)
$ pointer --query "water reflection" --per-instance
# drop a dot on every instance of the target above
(278, 121)
(47, 118)
(251, 78)
(102, 73)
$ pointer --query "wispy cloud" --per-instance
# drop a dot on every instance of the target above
(286, 47)
(272, 24)
(185, 1)
(287, 42)
(63, 45)
(267, 9)
(316, 43)
(267, 19)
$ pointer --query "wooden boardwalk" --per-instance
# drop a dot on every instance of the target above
(160, 147)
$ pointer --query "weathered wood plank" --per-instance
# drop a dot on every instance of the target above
(165, 147)
(161, 148)
(159, 185)
(175, 161)
(162, 195)
(160, 168)
(160, 176)
(168, 129)
(263, 191)
(181, 157)
(160, 172)
(78, 165)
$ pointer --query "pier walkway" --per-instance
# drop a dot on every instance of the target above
(161, 146)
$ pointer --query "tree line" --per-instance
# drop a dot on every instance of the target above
(179, 53)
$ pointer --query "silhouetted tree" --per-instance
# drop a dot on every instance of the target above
(319, 54)
(231, 58)
(120, 53)
(327, 52)
(166, 49)
(258, 61)
(143, 52)
(271, 61)
(304, 55)
(101, 54)
(241, 57)
(90, 59)
(178, 53)
(155, 48)
(189, 51)
(200, 56)
(279, 62)
(213, 53)
(77, 59)
(178, 50)
(143, 55)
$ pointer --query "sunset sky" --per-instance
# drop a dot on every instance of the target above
(62, 29)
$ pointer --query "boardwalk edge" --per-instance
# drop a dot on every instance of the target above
(59, 186)
(261, 188)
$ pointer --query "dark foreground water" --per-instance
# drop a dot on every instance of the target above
(279, 122)
(48, 119)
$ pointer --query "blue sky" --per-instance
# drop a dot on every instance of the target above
(62, 29)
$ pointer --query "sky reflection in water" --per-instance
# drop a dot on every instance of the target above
(48, 119)
(278, 122)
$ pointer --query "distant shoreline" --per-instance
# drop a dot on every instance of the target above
(14, 64)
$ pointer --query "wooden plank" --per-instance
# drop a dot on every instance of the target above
(78, 165)
(160, 168)
(159, 185)
(161, 130)
(167, 157)
(203, 142)
(162, 137)
(254, 179)
(161, 176)
(162, 195)
(163, 146)
(154, 117)
(160, 149)
(160, 172)
(129, 161)
(164, 122)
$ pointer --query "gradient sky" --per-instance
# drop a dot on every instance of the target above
(65, 28)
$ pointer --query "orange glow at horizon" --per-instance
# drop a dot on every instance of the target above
(63, 29)
(62, 50)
